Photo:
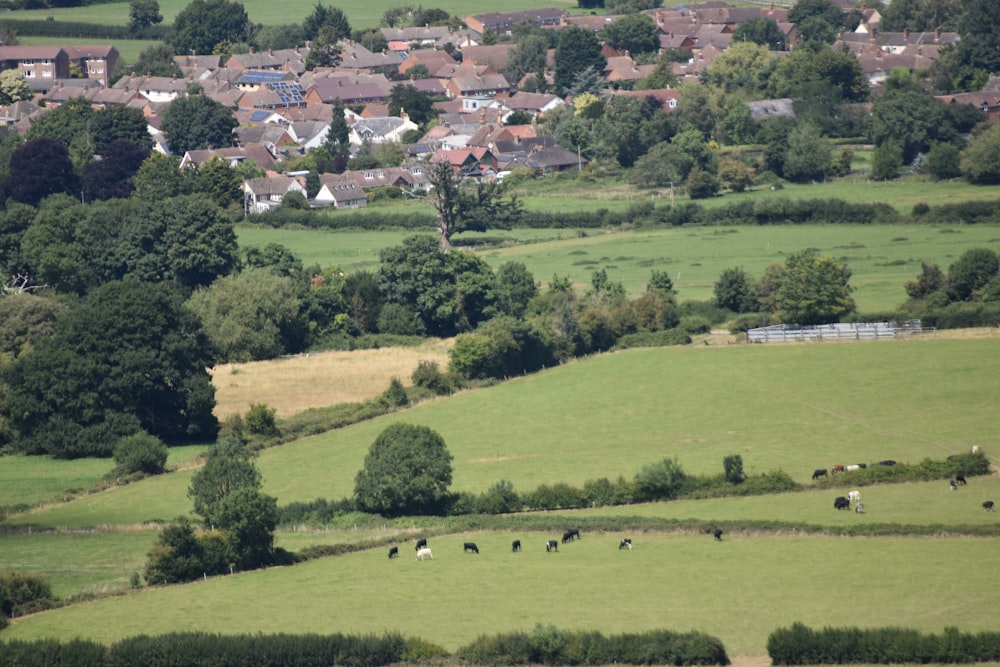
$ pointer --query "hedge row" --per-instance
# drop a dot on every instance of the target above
(970, 212)
(201, 649)
(800, 645)
(968, 464)
(368, 219)
(548, 645)
(78, 29)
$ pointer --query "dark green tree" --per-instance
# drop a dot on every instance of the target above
(920, 15)
(971, 272)
(203, 24)
(119, 123)
(887, 160)
(197, 122)
(417, 104)
(735, 290)
(128, 357)
(513, 288)
(142, 14)
(930, 280)
(701, 184)
(38, 169)
(733, 467)
(407, 471)
(178, 555)
(140, 453)
(527, 57)
(825, 10)
(111, 176)
(228, 468)
(577, 50)
(219, 181)
(979, 26)
(814, 289)
(809, 155)
(659, 481)
(909, 116)
(635, 33)
(26, 319)
(248, 518)
(332, 19)
(761, 30)
(198, 241)
(68, 121)
(159, 177)
(473, 208)
(156, 60)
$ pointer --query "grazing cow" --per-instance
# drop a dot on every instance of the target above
(837, 468)
(988, 506)
(470, 546)
(421, 543)
(515, 546)
(854, 496)
(860, 508)
(425, 553)
(960, 479)
(975, 449)
(551, 545)
(571, 534)
(393, 552)
(841, 503)
(626, 543)
(953, 484)
(862, 465)
(852, 468)
(819, 473)
(718, 534)
(887, 462)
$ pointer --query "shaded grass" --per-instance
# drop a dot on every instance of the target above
(738, 590)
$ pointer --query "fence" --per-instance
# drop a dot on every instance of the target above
(787, 333)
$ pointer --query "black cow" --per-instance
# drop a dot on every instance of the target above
(887, 462)
(718, 534)
(988, 506)
(421, 543)
(953, 484)
(862, 465)
(960, 479)
(626, 543)
(841, 503)
(819, 473)
(393, 552)
(571, 534)
(515, 546)
(470, 546)
(551, 545)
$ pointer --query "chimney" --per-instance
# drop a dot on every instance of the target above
(906, 34)
(937, 33)
(251, 50)
(270, 52)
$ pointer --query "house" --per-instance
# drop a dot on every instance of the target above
(987, 102)
(329, 90)
(269, 135)
(380, 130)
(95, 62)
(264, 194)
(434, 61)
(309, 134)
(494, 56)
(416, 36)
(468, 81)
(667, 98)
(256, 153)
(40, 65)
(154, 88)
(536, 104)
(474, 162)
(340, 193)
(501, 23)
(555, 159)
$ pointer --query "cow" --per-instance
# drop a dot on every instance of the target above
(960, 479)
(860, 508)
(570, 534)
(953, 484)
(852, 467)
(425, 553)
(837, 468)
(393, 552)
(551, 545)
(975, 449)
(887, 462)
(854, 496)
(862, 465)
(626, 543)
(841, 503)
(717, 533)
(421, 543)
(470, 546)
(515, 546)
(821, 472)
(988, 506)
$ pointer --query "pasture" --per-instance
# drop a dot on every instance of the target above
(882, 258)
(739, 590)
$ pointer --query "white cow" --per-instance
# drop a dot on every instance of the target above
(852, 468)
(424, 554)
(854, 496)
(975, 449)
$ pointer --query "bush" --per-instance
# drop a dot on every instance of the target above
(260, 420)
(395, 396)
(140, 453)
(21, 593)
(428, 375)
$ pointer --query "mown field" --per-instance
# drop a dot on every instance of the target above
(882, 258)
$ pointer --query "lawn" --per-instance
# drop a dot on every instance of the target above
(882, 258)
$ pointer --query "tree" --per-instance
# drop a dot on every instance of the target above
(814, 289)
(701, 184)
(203, 24)
(251, 315)
(159, 177)
(760, 30)
(198, 241)
(142, 14)
(68, 121)
(577, 50)
(809, 155)
(468, 208)
(971, 272)
(140, 453)
(980, 29)
(887, 160)
(980, 163)
(733, 467)
(744, 66)
(930, 280)
(513, 288)
(197, 122)
(635, 33)
(228, 468)
(407, 471)
(417, 104)
(824, 10)
(111, 176)
(157, 60)
(921, 15)
(13, 86)
(659, 481)
(248, 518)
(39, 168)
(128, 357)
(527, 57)
(909, 116)
(217, 179)
(332, 19)
(24, 320)
(119, 123)
(735, 174)
(735, 290)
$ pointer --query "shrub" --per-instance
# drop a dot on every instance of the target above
(140, 453)
(395, 396)
(428, 375)
(260, 420)
(660, 481)
(20, 593)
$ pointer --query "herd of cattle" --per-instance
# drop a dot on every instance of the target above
(424, 551)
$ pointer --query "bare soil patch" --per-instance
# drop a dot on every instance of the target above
(293, 384)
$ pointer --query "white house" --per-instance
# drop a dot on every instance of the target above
(264, 194)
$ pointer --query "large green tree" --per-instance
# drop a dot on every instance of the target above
(203, 24)
(980, 163)
(813, 289)
(909, 116)
(229, 467)
(39, 168)
(809, 155)
(197, 122)
(13, 86)
(468, 207)
(417, 105)
(635, 33)
(971, 272)
(142, 14)
(761, 30)
(577, 50)
(407, 471)
(980, 29)
(128, 357)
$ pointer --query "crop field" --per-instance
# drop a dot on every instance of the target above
(882, 258)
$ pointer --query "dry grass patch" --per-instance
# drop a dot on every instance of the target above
(293, 384)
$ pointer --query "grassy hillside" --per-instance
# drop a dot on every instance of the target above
(882, 258)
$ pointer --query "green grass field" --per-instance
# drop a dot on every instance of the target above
(882, 258)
